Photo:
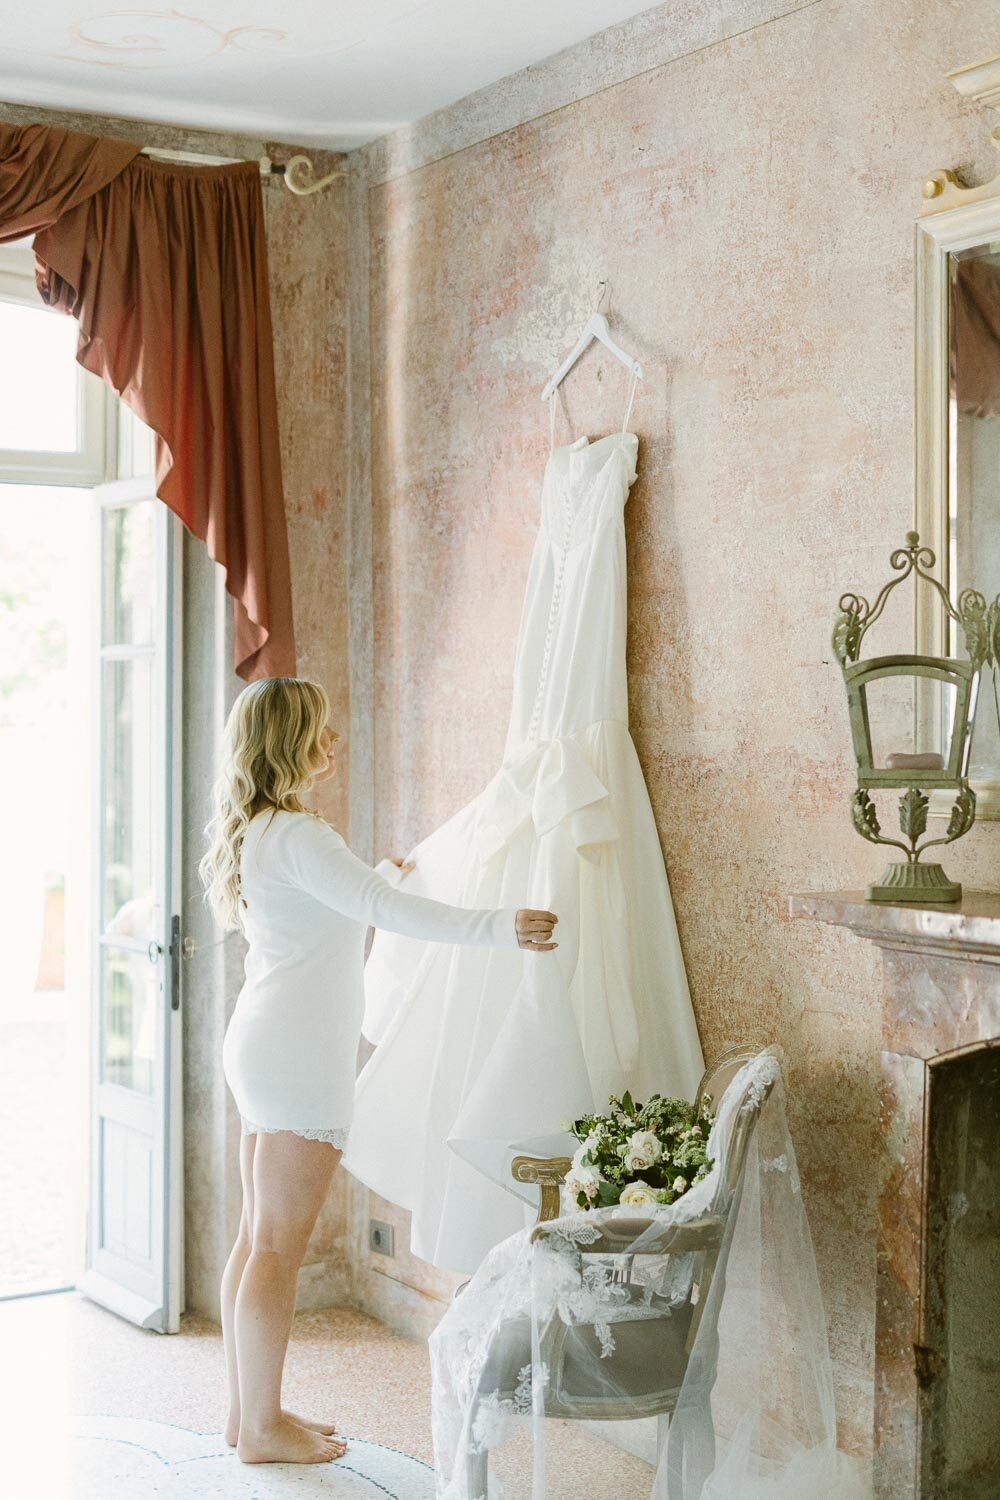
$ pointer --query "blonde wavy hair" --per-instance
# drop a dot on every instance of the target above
(271, 752)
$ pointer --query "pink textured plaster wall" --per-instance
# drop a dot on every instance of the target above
(308, 277)
(752, 205)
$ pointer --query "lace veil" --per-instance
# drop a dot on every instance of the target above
(705, 1314)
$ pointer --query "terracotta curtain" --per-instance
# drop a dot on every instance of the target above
(165, 269)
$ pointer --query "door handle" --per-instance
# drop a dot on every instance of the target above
(175, 966)
(153, 951)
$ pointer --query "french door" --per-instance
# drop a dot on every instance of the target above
(135, 1212)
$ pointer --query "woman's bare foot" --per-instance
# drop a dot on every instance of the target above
(232, 1433)
(326, 1428)
(285, 1442)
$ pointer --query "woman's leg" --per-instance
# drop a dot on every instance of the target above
(291, 1177)
(231, 1277)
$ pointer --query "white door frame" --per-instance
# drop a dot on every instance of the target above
(134, 1253)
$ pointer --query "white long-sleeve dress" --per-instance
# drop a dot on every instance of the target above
(290, 1050)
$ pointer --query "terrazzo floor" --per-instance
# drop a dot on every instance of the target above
(92, 1408)
(33, 1092)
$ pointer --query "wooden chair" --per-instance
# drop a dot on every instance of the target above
(643, 1375)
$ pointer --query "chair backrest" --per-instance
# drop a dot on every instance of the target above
(743, 1121)
(733, 1151)
(721, 1071)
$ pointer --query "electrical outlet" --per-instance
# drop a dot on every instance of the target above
(380, 1237)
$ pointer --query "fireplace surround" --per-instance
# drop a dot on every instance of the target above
(937, 1376)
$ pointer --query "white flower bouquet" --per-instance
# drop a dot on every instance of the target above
(639, 1153)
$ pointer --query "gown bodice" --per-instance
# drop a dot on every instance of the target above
(569, 670)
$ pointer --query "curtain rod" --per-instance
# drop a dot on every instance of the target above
(297, 173)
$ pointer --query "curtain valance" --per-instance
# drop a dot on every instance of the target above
(164, 268)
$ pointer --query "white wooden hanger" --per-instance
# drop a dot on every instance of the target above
(595, 328)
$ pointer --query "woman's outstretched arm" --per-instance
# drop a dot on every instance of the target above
(317, 859)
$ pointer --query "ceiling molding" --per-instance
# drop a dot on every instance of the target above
(649, 41)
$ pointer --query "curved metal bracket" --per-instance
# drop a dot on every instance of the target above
(299, 175)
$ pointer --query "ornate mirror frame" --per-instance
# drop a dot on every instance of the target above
(955, 218)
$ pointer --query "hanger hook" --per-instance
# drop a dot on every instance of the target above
(603, 287)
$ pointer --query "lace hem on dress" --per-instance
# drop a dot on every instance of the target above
(337, 1138)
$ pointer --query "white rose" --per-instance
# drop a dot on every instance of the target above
(643, 1151)
(696, 1130)
(638, 1192)
(584, 1180)
(680, 1185)
(590, 1144)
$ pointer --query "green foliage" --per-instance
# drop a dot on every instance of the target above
(620, 1150)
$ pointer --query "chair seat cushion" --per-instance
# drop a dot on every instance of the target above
(648, 1357)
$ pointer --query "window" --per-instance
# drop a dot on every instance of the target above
(79, 522)
(53, 414)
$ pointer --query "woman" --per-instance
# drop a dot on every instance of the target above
(281, 875)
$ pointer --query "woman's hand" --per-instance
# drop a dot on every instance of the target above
(534, 930)
(404, 866)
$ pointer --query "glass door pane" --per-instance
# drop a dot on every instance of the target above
(128, 786)
(128, 1021)
(129, 555)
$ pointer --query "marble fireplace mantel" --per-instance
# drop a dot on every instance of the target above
(941, 1008)
(969, 929)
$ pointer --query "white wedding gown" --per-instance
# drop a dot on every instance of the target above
(479, 1049)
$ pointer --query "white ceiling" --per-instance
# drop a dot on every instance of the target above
(321, 72)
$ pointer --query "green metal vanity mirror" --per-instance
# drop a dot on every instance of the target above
(914, 773)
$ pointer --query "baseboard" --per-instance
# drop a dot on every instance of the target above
(324, 1283)
(402, 1308)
